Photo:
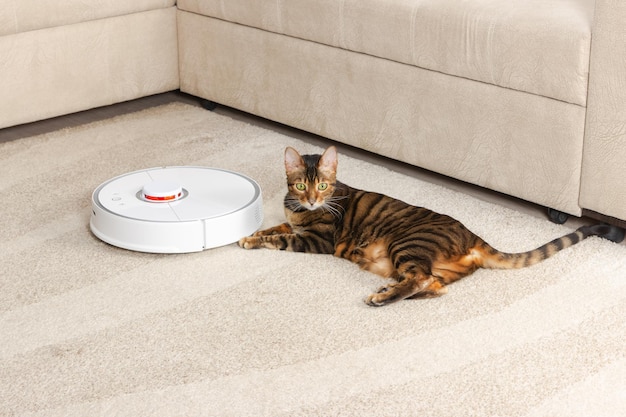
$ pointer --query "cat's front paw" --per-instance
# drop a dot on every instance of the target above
(249, 242)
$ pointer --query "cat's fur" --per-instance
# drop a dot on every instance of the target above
(421, 250)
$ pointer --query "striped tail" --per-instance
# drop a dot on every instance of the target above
(493, 258)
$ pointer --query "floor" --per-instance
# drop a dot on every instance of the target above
(31, 129)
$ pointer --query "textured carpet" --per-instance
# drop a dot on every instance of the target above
(87, 329)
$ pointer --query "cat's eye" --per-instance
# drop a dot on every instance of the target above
(300, 186)
(322, 186)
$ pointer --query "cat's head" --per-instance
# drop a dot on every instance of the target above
(311, 179)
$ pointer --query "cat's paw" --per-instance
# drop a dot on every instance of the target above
(379, 298)
(257, 242)
(248, 242)
(371, 300)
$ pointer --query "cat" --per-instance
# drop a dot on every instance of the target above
(420, 250)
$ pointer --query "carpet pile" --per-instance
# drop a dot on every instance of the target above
(88, 329)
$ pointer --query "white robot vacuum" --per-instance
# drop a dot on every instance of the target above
(176, 209)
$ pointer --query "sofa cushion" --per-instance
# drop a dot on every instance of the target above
(24, 15)
(536, 46)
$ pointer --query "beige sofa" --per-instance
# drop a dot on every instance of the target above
(523, 97)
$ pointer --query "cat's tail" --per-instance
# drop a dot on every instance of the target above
(493, 258)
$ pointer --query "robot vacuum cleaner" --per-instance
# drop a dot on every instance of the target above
(176, 209)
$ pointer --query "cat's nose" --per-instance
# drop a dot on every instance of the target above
(312, 201)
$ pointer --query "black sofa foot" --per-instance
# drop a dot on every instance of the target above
(208, 104)
(557, 217)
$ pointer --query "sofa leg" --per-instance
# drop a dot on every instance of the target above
(208, 104)
(557, 217)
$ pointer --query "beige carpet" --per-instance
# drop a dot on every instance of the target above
(87, 329)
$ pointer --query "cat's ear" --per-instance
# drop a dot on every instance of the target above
(293, 160)
(328, 160)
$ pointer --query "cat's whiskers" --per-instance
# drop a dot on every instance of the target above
(332, 206)
(293, 204)
(336, 198)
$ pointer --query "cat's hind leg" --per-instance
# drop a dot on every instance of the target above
(413, 281)
(436, 289)
(407, 288)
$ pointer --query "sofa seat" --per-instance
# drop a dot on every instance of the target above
(537, 46)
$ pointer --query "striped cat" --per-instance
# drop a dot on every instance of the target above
(422, 251)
